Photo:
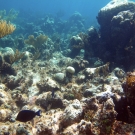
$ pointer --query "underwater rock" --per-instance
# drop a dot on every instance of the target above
(80, 78)
(76, 23)
(72, 113)
(7, 52)
(46, 101)
(102, 96)
(116, 21)
(47, 84)
(20, 99)
(4, 114)
(66, 52)
(84, 127)
(6, 68)
(79, 64)
(59, 77)
(27, 55)
(89, 72)
(76, 44)
(112, 8)
(12, 81)
(88, 92)
(98, 63)
(22, 129)
(5, 98)
(46, 54)
(119, 73)
(70, 70)
(76, 17)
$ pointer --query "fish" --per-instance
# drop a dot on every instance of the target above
(27, 115)
(53, 93)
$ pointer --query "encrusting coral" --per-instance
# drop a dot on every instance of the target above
(6, 28)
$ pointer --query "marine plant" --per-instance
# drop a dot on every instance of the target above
(36, 42)
(77, 94)
(6, 28)
(17, 56)
(10, 16)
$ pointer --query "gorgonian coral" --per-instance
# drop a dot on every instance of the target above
(6, 28)
(36, 42)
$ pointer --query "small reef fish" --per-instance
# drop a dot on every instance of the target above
(53, 92)
(27, 115)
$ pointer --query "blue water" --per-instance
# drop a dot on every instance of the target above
(88, 8)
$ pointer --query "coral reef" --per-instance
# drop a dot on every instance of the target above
(78, 79)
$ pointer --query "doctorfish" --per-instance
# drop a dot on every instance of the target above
(27, 115)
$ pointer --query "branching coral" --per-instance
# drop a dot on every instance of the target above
(6, 28)
(36, 42)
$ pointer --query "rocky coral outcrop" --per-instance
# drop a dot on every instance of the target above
(116, 21)
(72, 113)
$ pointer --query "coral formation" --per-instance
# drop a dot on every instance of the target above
(6, 28)
(36, 42)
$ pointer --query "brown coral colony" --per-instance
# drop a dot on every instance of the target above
(6, 28)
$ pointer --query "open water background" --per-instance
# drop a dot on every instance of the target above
(87, 8)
